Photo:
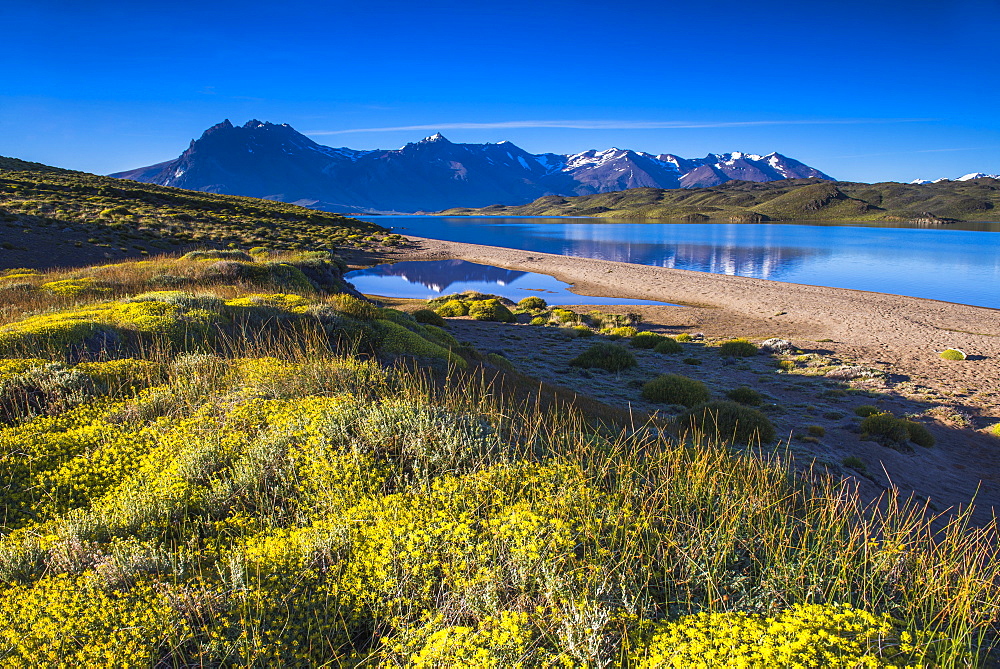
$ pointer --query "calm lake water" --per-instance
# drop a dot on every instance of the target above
(954, 263)
(425, 279)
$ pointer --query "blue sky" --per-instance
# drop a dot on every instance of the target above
(865, 91)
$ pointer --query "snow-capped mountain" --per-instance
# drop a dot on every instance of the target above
(967, 177)
(276, 162)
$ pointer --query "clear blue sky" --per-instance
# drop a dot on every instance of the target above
(864, 91)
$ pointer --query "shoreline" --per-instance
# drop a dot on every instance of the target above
(904, 333)
(900, 335)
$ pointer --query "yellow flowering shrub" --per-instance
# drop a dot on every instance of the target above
(74, 287)
(283, 301)
(503, 640)
(65, 621)
(256, 511)
(804, 635)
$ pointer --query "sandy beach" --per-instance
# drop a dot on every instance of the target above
(900, 335)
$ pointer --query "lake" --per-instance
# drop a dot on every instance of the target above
(954, 263)
(425, 279)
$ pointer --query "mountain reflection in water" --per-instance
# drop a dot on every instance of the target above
(439, 275)
(423, 279)
(955, 263)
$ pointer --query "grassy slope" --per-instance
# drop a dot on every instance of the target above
(798, 199)
(50, 216)
(214, 461)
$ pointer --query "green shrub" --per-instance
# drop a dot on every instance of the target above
(816, 430)
(539, 320)
(866, 410)
(452, 309)
(885, 429)
(854, 462)
(684, 336)
(919, 434)
(746, 395)
(691, 361)
(646, 340)
(565, 315)
(499, 361)
(441, 336)
(532, 303)
(354, 307)
(953, 354)
(624, 331)
(428, 317)
(668, 346)
(607, 356)
(675, 389)
(491, 310)
(729, 420)
(218, 254)
(582, 331)
(738, 348)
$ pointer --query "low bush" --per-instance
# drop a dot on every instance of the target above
(218, 254)
(691, 361)
(684, 336)
(866, 410)
(816, 430)
(538, 320)
(737, 348)
(729, 420)
(919, 434)
(491, 310)
(565, 315)
(854, 462)
(953, 354)
(894, 432)
(354, 307)
(746, 395)
(885, 429)
(623, 331)
(668, 346)
(500, 361)
(532, 303)
(676, 389)
(803, 635)
(582, 331)
(646, 340)
(452, 309)
(603, 355)
(428, 317)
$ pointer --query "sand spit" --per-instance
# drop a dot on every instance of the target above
(901, 335)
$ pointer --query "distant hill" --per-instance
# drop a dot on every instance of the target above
(795, 199)
(55, 217)
(276, 162)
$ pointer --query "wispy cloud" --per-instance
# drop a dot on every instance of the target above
(614, 125)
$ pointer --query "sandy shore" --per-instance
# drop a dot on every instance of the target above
(901, 335)
(907, 333)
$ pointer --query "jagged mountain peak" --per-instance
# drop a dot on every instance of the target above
(264, 159)
(436, 137)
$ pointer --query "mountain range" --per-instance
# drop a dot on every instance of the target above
(968, 177)
(276, 162)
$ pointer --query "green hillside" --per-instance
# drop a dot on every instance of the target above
(796, 199)
(50, 216)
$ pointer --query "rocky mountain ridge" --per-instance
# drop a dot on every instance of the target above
(276, 162)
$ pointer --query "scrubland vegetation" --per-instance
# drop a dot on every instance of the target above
(228, 460)
(76, 215)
